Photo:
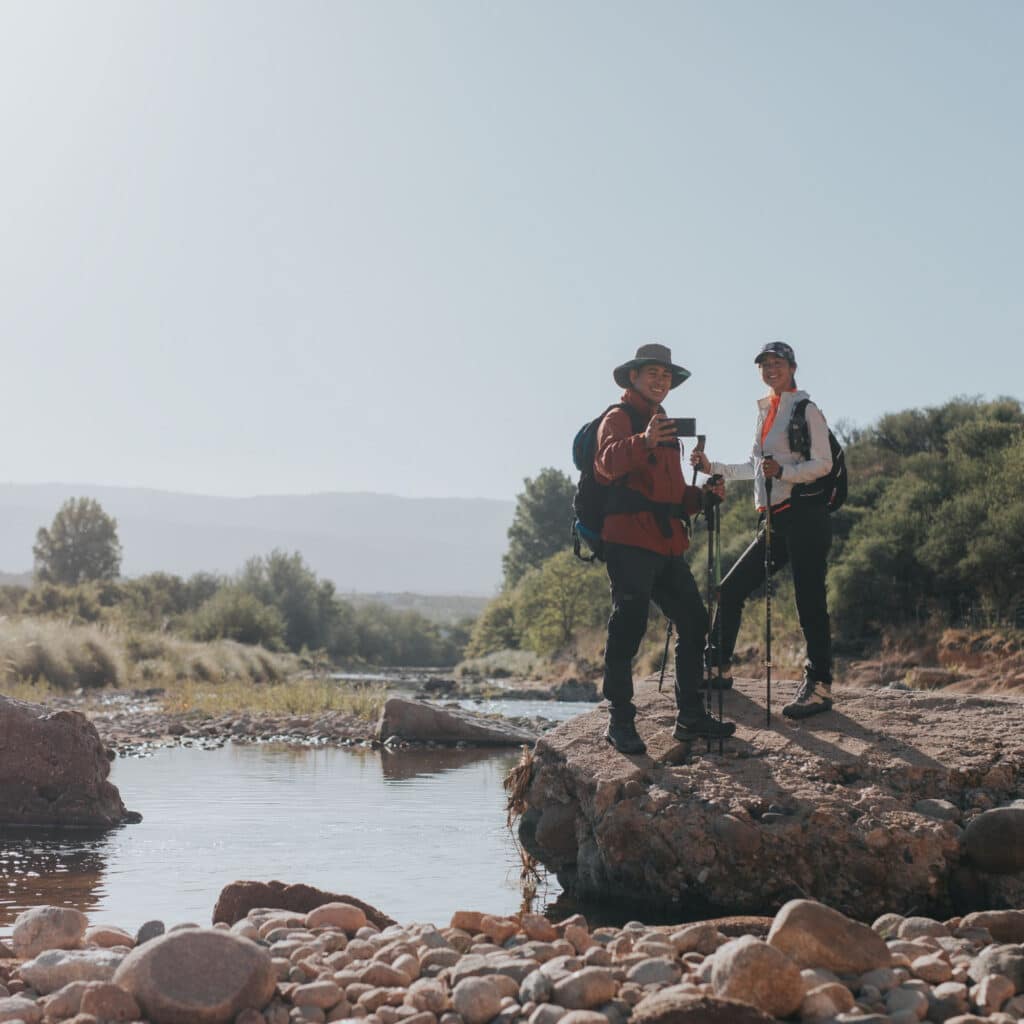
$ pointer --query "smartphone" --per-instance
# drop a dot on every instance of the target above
(685, 426)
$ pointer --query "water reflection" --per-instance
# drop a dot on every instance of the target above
(418, 834)
(41, 867)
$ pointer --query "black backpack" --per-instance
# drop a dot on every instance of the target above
(590, 502)
(830, 489)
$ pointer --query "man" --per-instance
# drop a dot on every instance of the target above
(639, 458)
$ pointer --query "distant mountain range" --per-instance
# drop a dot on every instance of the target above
(364, 543)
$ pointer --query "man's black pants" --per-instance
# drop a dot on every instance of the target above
(801, 536)
(637, 577)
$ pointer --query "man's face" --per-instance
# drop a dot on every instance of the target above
(652, 381)
(777, 373)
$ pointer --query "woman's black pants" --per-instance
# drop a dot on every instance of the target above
(801, 536)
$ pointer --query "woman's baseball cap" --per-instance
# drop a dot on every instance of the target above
(777, 348)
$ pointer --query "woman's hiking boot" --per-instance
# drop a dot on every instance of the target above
(621, 732)
(813, 698)
(694, 723)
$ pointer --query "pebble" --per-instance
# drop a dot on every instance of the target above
(331, 965)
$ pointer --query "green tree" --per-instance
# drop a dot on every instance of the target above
(80, 545)
(495, 628)
(235, 614)
(307, 604)
(557, 599)
(540, 525)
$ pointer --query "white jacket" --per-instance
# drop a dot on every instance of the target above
(795, 468)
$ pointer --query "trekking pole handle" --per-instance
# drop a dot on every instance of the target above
(698, 447)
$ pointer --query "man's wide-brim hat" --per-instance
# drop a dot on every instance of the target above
(647, 355)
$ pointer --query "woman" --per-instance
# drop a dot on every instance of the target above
(801, 531)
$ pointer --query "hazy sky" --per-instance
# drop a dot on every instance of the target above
(267, 247)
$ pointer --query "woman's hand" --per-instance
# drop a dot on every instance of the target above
(700, 461)
(659, 430)
(772, 469)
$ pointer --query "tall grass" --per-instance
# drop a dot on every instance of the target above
(299, 696)
(64, 657)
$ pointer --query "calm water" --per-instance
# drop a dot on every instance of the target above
(418, 834)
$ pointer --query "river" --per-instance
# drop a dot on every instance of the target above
(417, 833)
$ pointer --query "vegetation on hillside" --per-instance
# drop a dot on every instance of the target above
(932, 536)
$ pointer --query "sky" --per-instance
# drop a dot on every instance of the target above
(394, 246)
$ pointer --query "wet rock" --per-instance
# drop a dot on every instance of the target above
(43, 928)
(674, 1006)
(994, 840)
(813, 935)
(201, 976)
(54, 770)
(56, 968)
(426, 723)
(237, 899)
(754, 972)
(476, 1000)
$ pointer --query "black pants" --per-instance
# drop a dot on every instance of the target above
(639, 576)
(802, 536)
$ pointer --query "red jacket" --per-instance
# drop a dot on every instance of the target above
(657, 473)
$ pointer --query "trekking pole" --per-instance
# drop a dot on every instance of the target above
(718, 609)
(768, 599)
(664, 655)
(710, 511)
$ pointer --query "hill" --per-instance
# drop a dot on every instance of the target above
(368, 543)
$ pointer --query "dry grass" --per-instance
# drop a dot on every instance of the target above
(297, 696)
(42, 656)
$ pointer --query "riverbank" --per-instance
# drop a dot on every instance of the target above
(332, 962)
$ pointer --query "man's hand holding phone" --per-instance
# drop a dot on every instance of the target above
(660, 430)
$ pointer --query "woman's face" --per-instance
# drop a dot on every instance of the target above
(777, 373)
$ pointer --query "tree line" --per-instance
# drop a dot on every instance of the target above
(275, 600)
(932, 534)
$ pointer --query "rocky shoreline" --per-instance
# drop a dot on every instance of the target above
(343, 960)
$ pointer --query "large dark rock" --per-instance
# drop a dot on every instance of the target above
(237, 899)
(672, 1006)
(419, 722)
(821, 809)
(995, 841)
(54, 769)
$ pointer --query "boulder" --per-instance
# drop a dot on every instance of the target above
(853, 808)
(1007, 960)
(675, 1006)
(417, 721)
(994, 840)
(54, 770)
(41, 928)
(751, 971)
(813, 935)
(17, 1008)
(237, 899)
(197, 976)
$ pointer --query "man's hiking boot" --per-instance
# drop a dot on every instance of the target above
(621, 732)
(813, 698)
(697, 724)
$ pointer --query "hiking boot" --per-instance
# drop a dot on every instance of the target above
(622, 735)
(697, 723)
(812, 698)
